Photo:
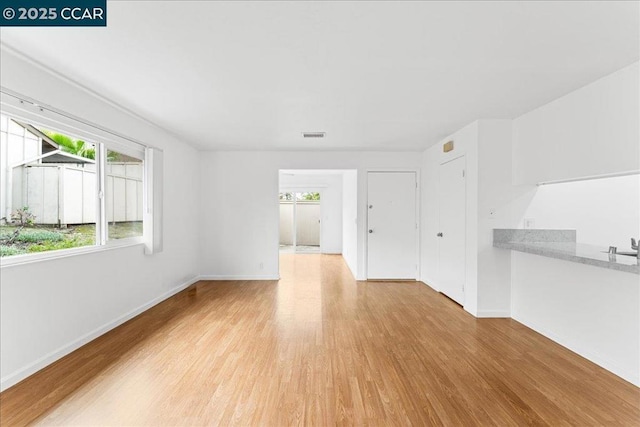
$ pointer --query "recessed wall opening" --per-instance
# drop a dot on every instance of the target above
(318, 213)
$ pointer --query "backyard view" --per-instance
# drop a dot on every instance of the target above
(17, 240)
(48, 191)
(300, 196)
(299, 222)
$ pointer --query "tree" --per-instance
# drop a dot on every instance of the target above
(71, 145)
(299, 196)
(78, 147)
(310, 196)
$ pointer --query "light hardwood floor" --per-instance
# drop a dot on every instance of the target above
(318, 348)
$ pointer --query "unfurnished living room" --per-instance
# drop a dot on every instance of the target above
(275, 213)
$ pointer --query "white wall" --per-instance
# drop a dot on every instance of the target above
(590, 310)
(286, 223)
(604, 212)
(494, 201)
(330, 185)
(49, 308)
(591, 131)
(350, 220)
(239, 234)
(486, 146)
(465, 143)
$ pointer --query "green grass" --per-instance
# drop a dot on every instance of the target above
(9, 251)
(52, 246)
(47, 238)
(38, 236)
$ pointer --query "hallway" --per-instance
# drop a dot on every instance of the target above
(319, 348)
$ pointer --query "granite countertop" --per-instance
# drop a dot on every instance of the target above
(561, 244)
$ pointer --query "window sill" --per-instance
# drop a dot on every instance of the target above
(15, 260)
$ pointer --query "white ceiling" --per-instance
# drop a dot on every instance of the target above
(373, 75)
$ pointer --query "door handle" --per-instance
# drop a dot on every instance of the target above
(439, 234)
(370, 230)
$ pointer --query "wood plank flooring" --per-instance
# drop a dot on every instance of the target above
(318, 348)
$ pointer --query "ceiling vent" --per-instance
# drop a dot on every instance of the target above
(313, 134)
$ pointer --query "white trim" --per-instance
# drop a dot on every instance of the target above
(474, 313)
(297, 187)
(429, 283)
(449, 160)
(152, 202)
(238, 277)
(102, 233)
(4, 46)
(14, 260)
(32, 368)
(391, 170)
(34, 112)
(35, 159)
(493, 314)
(599, 360)
(590, 177)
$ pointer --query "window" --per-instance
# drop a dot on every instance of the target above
(123, 195)
(59, 191)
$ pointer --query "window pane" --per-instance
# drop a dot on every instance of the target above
(123, 195)
(47, 189)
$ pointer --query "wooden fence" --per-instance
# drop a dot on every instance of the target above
(66, 194)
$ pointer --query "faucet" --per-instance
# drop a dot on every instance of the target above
(634, 246)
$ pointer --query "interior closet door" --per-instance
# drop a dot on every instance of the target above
(451, 236)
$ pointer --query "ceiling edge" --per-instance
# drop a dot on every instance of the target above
(131, 113)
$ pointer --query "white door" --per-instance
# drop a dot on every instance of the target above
(391, 225)
(451, 235)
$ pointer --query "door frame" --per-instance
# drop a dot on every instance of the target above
(299, 189)
(365, 227)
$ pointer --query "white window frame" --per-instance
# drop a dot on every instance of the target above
(25, 109)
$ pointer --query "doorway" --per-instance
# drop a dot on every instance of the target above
(335, 232)
(300, 221)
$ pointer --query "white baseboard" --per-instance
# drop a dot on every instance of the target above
(493, 314)
(598, 359)
(238, 277)
(14, 378)
(430, 283)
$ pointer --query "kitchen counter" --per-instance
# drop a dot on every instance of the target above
(561, 244)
